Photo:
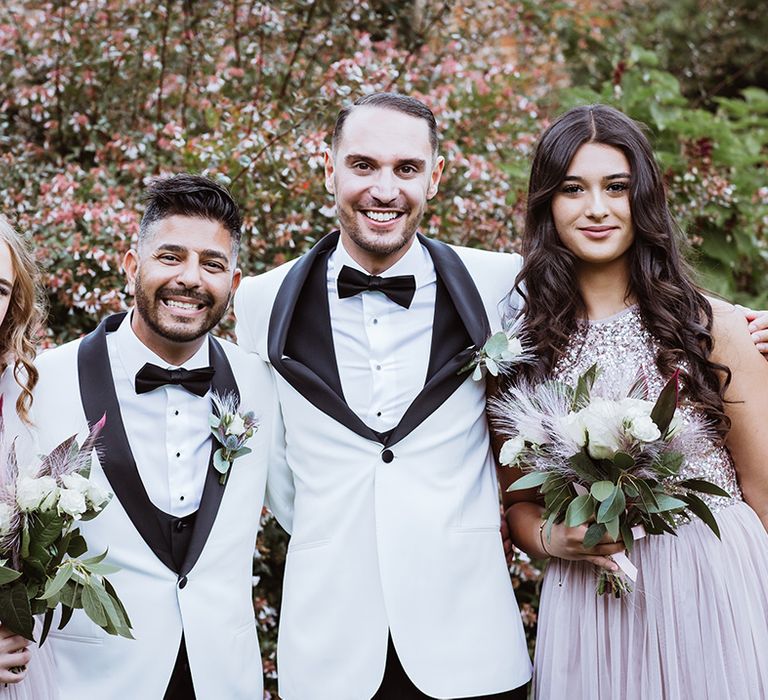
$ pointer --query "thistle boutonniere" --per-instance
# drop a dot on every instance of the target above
(499, 352)
(232, 429)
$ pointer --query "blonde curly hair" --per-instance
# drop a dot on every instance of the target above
(24, 319)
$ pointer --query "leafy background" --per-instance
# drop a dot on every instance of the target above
(99, 95)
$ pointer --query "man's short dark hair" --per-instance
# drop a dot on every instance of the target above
(389, 100)
(191, 195)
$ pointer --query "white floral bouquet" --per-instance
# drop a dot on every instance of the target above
(611, 462)
(41, 549)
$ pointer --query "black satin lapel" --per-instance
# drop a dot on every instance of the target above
(97, 394)
(300, 341)
(451, 349)
(460, 326)
(213, 491)
(309, 339)
(462, 289)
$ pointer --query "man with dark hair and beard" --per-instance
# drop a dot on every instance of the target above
(396, 586)
(181, 532)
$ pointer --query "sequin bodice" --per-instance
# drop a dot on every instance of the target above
(621, 346)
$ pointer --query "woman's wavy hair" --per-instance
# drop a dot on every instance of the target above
(672, 307)
(23, 320)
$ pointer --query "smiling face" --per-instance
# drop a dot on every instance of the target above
(183, 279)
(591, 210)
(382, 173)
(7, 278)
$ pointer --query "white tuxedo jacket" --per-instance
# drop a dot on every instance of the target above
(389, 533)
(210, 598)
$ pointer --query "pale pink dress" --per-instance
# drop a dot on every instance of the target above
(696, 625)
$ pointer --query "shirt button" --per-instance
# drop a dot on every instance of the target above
(181, 498)
(375, 321)
(378, 414)
(387, 456)
(378, 366)
(176, 413)
(178, 454)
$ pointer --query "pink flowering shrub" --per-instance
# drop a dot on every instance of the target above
(98, 97)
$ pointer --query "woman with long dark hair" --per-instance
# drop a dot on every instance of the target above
(26, 672)
(605, 282)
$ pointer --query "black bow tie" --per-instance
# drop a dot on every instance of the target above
(150, 377)
(399, 289)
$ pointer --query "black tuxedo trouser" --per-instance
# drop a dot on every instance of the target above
(397, 686)
(180, 686)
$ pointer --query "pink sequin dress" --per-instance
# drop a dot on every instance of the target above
(696, 625)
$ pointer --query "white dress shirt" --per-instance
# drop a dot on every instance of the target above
(167, 428)
(382, 349)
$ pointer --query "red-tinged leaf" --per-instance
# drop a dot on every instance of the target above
(665, 405)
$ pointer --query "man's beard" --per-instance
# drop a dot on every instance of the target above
(147, 307)
(379, 245)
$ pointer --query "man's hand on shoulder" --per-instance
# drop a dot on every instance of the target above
(758, 328)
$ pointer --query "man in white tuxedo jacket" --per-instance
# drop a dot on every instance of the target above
(396, 586)
(183, 540)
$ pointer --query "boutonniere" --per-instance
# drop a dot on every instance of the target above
(499, 352)
(232, 429)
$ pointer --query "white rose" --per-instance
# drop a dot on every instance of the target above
(72, 503)
(237, 426)
(511, 450)
(95, 496)
(635, 408)
(602, 420)
(7, 512)
(36, 493)
(572, 426)
(644, 429)
(76, 482)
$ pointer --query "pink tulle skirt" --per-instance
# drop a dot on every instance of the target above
(695, 627)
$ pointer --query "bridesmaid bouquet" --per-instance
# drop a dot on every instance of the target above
(41, 549)
(611, 462)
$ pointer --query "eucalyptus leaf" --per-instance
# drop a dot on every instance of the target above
(594, 534)
(666, 503)
(612, 506)
(8, 575)
(96, 559)
(46, 626)
(219, 462)
(242, 452)
(492, 367)
(612, 527)
(496, 344)
(622, 460)
(15, 610)
(92, 607)
(529, 481)
(77, 545)
(581, 509)
(704, 487)
(601, 490)
(627, 536)
(57, 583)
(701, 509)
